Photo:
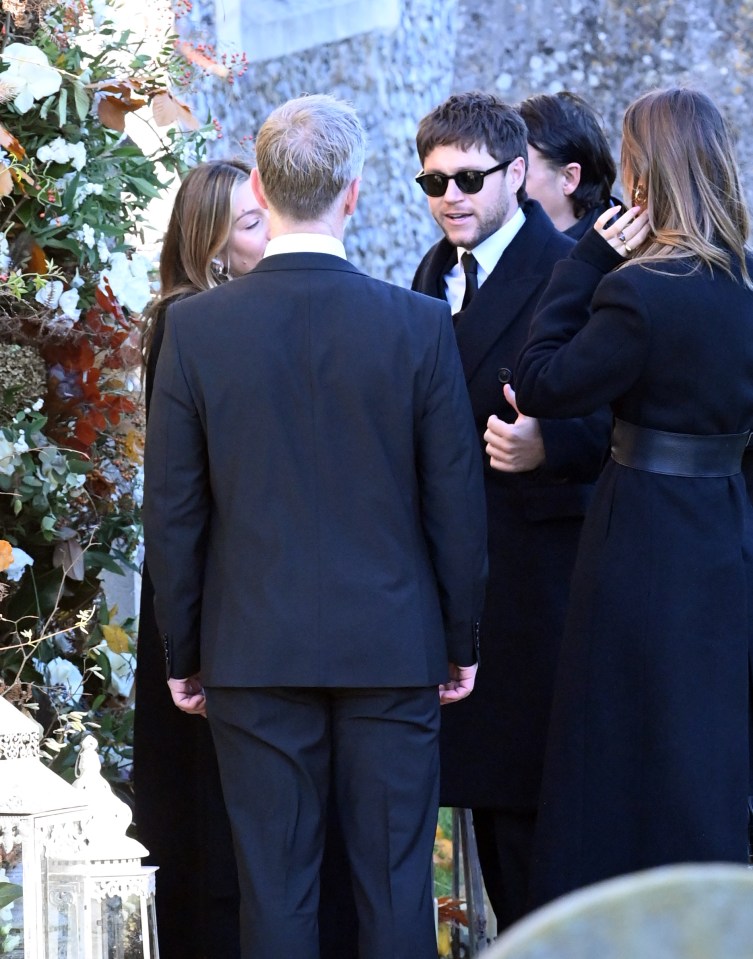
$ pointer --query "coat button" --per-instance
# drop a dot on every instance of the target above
(504, 375)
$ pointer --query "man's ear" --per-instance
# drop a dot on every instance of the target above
(258, 189)
(516, 173)
(351, 196)
(571, 178)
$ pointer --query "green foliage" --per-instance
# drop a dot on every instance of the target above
(77, 89)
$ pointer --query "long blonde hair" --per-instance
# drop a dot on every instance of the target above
(196, 235)
(677, 150)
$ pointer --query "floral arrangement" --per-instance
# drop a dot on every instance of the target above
(76, 84)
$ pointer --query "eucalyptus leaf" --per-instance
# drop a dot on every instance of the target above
(81, 100)
(63, 106)
(9, 892)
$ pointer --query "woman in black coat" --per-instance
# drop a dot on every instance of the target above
(648, 755)
(216, 231)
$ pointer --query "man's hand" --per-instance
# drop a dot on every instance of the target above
(188, 694)
(462, 679)
(514, 447)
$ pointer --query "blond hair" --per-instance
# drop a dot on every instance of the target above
(307, 152)
(196, 235)
(677, 149)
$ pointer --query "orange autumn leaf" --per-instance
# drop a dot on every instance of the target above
(10, 143)
(166, 110)
(6, 554)
(37, 259)
(201, 60)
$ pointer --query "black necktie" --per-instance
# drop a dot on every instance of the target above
(470, 266)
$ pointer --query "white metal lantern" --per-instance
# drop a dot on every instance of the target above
(39, 812)
(103, 882)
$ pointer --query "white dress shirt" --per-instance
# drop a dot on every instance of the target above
(487, 255)
(305, 243)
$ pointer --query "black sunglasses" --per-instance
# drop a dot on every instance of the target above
(468, 181)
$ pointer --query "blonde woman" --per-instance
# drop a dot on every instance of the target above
(648, 757)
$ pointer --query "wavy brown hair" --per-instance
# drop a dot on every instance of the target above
(197, 234)
(678, 150)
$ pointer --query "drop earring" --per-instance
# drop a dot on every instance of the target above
(219, 270)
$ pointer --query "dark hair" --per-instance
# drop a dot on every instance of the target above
(565, 129)
(475, 119)
(198, 231)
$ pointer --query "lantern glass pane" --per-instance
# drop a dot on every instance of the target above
(63, 933)
(11, 903)
(119, 934)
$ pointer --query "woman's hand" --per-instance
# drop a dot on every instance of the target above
(627, 232)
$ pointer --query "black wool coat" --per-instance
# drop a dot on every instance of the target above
(492, 744)
(648, 760)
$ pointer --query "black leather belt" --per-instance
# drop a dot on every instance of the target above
(677, 454)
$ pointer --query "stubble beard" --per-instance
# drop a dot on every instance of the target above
(486, 223)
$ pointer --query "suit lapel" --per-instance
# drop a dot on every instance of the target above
(506, 292)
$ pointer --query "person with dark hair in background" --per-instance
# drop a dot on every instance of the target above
(648, 761)
(570, 166)
(315, 526)
(496, 257)
(216, 231)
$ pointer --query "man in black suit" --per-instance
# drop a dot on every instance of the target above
(315, 516)
(491, 266)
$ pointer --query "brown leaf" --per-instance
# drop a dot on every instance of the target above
(6, 182)
(166, 110)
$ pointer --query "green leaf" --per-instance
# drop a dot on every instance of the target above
(143, 186)
(9, 892)
(81, 100)
(99, 559)
(45, 108)
(63, 106)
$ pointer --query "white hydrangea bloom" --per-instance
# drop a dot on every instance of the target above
(60, 151)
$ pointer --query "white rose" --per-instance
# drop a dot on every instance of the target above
(123, 667)
(62, 672)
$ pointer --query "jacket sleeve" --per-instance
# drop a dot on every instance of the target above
(453, 505)
(589, 338)
(177, 504)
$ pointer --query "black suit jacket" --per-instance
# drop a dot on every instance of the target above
(314, 507)
(493, 743)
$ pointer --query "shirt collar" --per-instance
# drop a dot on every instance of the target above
(489, 251)
(305, 243)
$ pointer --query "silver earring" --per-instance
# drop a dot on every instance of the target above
(218, 268)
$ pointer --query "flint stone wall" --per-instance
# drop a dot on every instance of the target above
(396, 59)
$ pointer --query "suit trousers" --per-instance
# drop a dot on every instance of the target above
(281, 751)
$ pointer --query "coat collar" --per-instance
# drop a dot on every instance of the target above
(518, 276)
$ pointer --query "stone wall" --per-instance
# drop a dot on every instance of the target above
(607, 51)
